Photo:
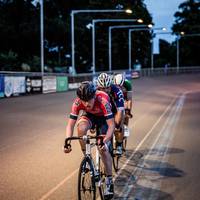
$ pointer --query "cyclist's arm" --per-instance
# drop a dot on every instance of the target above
(129, 95)
(119, 116)
(128, 87)
(111, 128)
(76, 106)
(106, 108)
(70, 127)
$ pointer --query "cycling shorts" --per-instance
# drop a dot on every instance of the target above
(98, 122)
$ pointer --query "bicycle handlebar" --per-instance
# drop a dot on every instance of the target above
(85, 138)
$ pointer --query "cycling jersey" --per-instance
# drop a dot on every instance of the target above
(102, 106)
(126, 87)
(117, 97)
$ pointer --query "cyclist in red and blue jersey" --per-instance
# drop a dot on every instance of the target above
(104, 83)
(97, 113)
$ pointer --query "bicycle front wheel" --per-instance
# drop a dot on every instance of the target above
(86, 181)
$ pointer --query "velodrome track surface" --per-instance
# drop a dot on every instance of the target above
(162, 160)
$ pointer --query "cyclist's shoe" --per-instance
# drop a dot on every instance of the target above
(119, 150)
(126, 131)
(109, 190)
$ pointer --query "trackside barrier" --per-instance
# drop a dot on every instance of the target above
(1, 86)
(24, 83)
(61, 83)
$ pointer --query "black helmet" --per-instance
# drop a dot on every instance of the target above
(86, 91)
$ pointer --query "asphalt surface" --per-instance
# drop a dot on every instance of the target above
(162, 159)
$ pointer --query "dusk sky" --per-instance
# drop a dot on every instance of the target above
(163, 12)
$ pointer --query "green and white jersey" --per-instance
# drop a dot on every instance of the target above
(126, 87)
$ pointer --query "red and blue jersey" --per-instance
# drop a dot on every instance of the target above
(102, 106)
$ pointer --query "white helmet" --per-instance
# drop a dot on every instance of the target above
(104, 80)
(119, 79)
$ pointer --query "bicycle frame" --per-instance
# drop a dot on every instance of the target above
(97, 176)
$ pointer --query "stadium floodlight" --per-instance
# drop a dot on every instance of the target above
(93, 35)
(73, 12)
(110, 39)
(130, 42)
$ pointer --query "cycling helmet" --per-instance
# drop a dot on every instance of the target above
(104, 80)
(119, 79)
(86, 91)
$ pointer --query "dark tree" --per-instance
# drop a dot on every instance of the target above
(188, 21)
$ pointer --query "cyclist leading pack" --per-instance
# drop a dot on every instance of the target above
(97, 111)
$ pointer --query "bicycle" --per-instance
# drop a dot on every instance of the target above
(91, 173)
(116, 157)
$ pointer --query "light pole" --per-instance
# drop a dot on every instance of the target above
(42, 37)
(130, 43)
(93, 35)
(110, 42)
(73, 12)
(177, 53)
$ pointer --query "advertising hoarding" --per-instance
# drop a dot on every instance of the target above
(14, 85)
(49, 84)
(62, 83)
(33, 85)
(1, 86)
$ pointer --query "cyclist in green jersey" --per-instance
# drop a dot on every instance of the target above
(126, 88)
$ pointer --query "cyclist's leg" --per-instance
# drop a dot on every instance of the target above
(106, 159)
(106, 156)
(83, 125)
(128, 107)
(119, 133)
(126, 118)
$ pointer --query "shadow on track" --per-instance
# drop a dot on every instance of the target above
(141, 178)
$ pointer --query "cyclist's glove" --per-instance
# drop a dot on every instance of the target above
(67, 144)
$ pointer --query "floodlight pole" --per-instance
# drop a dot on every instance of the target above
(73, 12)
(110, 43)
(42, 37)
(93, 36)
(130, 44)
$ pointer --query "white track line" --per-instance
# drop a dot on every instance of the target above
(45, 196)
(146, 136)
(166, 131)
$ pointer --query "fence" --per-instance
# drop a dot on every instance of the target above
(24, 83)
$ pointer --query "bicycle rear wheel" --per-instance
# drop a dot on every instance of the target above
(115, 157)
(124, 144)
(116, 162)
(86, 181)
